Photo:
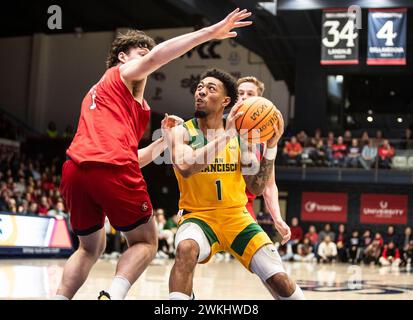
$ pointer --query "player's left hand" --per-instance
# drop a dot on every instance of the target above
(284, 231)
(278, 131)
(170, 121)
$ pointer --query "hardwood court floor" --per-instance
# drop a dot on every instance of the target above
(38, 279)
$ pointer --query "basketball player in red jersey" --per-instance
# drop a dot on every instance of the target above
(102, 175)
(251, 87)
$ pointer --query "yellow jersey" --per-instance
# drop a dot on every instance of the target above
(220, 185)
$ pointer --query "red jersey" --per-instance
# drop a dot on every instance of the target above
(251, 197)
(111, 123)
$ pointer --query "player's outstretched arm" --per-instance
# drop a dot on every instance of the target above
(167, 51)
(150, 153)
(189, 161)
(270, 195)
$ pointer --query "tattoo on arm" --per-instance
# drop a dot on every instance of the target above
(256, 183)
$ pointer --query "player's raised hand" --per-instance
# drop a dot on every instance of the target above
(169, 122)
(278, 130)
(233, 115)
(223, 29)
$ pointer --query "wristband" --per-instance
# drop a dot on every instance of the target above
(270, 153)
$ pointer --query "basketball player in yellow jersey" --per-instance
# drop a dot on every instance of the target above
(208, 161)
(251, 87)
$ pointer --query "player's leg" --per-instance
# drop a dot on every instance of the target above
(78, 266)
(192, 246)
(87, 221)
(267, 265)
(142, 246)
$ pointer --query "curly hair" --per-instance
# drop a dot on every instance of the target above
(230, 84)
(125, 42)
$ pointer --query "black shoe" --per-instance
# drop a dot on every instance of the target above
(103, 295)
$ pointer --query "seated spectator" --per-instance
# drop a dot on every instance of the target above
(390, 256)
(164, 236)
(406, 239)
(44, 206)
(318, 136)
(339, 152)
(33, 209)
(292, 152)
(58, 211)
(391, 236)
(368, 155)
(330, 138)
(312, 235)
(341, 243)
(296, 236)
(354, 247)
(172, 224)
(386, 154)
(378, 141)
(302, 139)
(408, 254)
(407, 139)
(304, 251)
(52, 130)
(373, 251)
(296, 231)
(326, 232)
(68, 134)
(320, 154)
(364, 140)
(353, 155)
(327, 250)
(347, 139)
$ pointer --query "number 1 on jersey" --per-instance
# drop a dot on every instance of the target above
(219, 189)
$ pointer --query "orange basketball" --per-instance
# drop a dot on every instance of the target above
(257, 122)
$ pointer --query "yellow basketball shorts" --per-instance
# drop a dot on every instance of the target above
(231, 230)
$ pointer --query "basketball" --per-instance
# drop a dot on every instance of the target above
(257, 123)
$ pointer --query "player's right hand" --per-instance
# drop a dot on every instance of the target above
(284, 231)
(230, 127)
(222, 29)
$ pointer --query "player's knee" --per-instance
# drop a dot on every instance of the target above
(187, 251)
(282, 284)
(93, 252)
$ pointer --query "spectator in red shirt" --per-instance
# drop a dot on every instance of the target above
(292, 151)
(312, 235)
(390, 256)
(341, 243)
(339, 152)
(386, 153)
(296, 231)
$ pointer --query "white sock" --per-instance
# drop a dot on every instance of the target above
(119, 288)
(60, 297)
(297, 295)
(179, 296)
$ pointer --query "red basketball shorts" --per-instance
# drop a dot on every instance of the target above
(94, 190)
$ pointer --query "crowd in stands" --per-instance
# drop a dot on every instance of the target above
(355, 247)
(344, 151)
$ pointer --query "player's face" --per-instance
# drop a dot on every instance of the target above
(136, 53)
(247, 90)
(210, 97)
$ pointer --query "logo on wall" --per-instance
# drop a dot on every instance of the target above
(234, 58)
(383, 209)
(325, 207)
(205, 51)
(158, 93)
(158, 76)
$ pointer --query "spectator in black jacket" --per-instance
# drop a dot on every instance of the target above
(354, 247)
(391, 236)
